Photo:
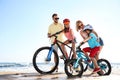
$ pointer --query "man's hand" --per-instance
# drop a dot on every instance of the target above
(49, 35)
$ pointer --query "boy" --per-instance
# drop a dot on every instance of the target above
(94, 46)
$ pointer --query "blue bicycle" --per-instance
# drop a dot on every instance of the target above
(72, 65)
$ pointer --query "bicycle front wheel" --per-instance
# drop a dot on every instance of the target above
(39, 61)
(71, 71)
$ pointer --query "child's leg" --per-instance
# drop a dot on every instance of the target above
(85, 50)
(95, 62)
(74, 51)
(63, 48)
(93, 52)
(97, 55)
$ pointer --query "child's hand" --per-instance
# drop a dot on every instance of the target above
(81, 43)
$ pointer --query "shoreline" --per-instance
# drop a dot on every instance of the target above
(29, 73)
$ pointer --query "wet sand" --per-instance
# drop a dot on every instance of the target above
(115, 75)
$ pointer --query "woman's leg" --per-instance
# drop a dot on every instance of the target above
(97, 55)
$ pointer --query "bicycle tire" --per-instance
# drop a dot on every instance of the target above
(38, 66)
(85, 65)
(67, 70)
(104, 63)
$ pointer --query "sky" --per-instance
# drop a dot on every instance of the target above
(24, 25)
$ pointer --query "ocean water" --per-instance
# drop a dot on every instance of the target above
(28, 67)
(22, 67)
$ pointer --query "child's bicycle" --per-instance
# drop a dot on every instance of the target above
(46, 60)
(73, 64)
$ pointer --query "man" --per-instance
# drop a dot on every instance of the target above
(53, 28)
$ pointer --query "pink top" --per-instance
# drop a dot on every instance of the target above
(69, 35)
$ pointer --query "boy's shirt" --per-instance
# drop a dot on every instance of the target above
(93, 41)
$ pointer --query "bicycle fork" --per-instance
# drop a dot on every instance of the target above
(75, 65)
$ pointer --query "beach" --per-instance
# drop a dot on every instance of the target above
(54, 76)
(29, 73)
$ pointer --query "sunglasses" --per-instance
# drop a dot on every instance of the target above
(56, 18)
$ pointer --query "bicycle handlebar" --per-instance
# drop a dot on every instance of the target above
(80, 45)
(56, 33)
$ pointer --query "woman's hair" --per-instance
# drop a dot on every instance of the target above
(77, 25)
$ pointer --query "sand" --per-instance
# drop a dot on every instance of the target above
(14, 75)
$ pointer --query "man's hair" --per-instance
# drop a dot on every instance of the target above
(54, 15)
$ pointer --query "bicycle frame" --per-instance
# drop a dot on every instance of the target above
(81, 56)
(56, 42)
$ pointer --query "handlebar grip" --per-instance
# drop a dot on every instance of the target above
(82, 43)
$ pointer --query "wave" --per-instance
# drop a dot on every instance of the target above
(12, 65)
(6, 65)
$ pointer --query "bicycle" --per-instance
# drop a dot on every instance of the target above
(103, 63)
(46, 60)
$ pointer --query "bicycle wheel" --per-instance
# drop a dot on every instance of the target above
(105, 67)
(71, 71)
(85, 65)
(39, 61)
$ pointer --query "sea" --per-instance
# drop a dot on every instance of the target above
(28, 67)
(21, 67)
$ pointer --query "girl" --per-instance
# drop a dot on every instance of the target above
(70, 38)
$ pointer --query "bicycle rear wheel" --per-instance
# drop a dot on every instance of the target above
(39, 61)
(105, 67)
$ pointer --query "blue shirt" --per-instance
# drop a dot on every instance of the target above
(93, 41)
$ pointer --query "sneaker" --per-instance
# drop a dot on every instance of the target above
(96, 70)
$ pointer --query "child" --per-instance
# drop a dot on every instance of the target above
(70, 38)
(94, 46)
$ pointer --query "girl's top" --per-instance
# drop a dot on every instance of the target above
(69, 34)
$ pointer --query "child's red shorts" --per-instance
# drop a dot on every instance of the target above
(92, 51)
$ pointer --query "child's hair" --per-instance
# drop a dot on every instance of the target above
(66, 29)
